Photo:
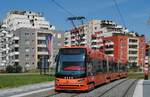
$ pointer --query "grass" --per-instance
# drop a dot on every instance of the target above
(15, 80)
(135, 75)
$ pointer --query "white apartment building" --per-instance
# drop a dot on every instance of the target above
(26, 19)
(28, 31)
(5, 36)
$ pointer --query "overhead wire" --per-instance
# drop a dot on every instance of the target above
(119, 12)
(63, 8)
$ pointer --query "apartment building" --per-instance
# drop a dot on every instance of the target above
(26, 19)
(147, 53)
(67, 38)
(27, 42)
(110, 38)
(126, 48)
(89, 34)
(58, 42)
(5, 36)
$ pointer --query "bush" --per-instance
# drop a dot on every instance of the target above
(14, 69)
(17, 69)
(9, 69)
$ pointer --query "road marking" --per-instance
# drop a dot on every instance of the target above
(32, 92)
(138, 92)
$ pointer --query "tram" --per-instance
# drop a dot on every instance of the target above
(82, 69)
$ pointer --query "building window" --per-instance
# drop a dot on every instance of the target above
(26, 33)
(16, 56)
(41, 41)
(132, 46)
(27, 56)
(16, 63)
(16, 49)
(95, 28)
(109, 52)
(42, 49)
(16, 41)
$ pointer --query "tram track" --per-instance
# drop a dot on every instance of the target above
(130, 90)
(127, 91)
(102, 94)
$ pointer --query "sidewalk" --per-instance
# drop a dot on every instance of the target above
(142, 89)
(26, 88)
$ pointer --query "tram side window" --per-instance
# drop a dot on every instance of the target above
(113, 67)
(104, 66)
(125, 68)
(110, 67)
(100, 66)
(116, 67)
(120, 67)
(89, 68)
(95, 64)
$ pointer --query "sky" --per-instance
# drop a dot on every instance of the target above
(134, 12)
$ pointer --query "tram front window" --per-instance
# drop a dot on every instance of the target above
(71, 62)
(71, 68)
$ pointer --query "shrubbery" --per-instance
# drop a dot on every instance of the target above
(14, 69)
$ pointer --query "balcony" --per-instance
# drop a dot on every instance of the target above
(84, 37)
(133, 49)
(133, 43)
(109, 49)
(132, 61)
(94, 40)
(95, 46)
(16, 60)
(112, 55)
(132, 55)
(41, 45)
(73, 39)
(41, 38)
(42, 53)
(16, 53)
(83, 42)
(15, 38)
(16, 45)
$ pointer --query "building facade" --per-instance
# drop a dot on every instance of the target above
(111, 38)
(128, 49)
(89, 34)
(58, 42)
(28, 33)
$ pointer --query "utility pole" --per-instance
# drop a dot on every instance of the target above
(149, 46)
